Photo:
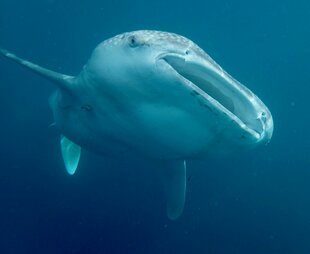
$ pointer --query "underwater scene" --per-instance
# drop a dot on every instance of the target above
(176, 127)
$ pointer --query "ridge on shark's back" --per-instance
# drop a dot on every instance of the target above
(157, 95)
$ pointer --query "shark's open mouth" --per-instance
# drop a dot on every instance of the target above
(221, 91)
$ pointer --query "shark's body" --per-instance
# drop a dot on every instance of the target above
(157, 95)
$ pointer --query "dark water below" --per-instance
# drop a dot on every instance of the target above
(254, 203)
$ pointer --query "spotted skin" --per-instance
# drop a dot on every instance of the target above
(152, 37)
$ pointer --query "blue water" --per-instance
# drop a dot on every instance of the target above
(254, 203)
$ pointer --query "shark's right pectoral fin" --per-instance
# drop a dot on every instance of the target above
(175, 188)
(70, 153)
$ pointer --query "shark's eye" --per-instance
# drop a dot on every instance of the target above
(133, 41)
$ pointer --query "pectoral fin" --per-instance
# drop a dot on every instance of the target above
(175, 188)
(63, 81)
(70, 153)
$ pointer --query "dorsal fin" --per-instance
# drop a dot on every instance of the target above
(62, 80)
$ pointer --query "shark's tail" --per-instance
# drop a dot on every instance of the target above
(62, 80)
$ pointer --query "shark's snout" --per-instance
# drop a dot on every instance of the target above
(266, 121)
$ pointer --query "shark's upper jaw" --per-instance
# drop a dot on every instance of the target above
(224, 93)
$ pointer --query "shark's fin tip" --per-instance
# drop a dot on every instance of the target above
(175, 189)
(71, 154)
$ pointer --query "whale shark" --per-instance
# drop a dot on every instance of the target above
(156, 95)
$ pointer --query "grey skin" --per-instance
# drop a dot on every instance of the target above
(156, 95)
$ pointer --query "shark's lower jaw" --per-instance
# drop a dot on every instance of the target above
(224, 93)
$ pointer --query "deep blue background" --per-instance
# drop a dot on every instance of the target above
(258, 202)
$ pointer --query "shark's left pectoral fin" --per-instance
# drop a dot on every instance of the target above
(175, 188)
(70, 153)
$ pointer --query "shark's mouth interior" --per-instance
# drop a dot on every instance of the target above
(225, 95)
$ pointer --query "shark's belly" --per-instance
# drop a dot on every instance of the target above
(157, 131)
(167, 131)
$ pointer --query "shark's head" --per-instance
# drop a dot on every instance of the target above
(156, 63)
